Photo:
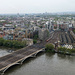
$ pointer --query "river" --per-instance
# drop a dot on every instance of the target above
(44, 64)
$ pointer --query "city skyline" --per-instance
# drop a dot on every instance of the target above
(33, 6)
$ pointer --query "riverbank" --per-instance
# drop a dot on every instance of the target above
(61, 50)
(66, 51)
(72, 54)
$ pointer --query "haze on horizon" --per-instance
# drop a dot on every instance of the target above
(36, 6)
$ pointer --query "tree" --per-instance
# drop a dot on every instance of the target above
(35, 36)
(62, 49)
(74, 31)
(1, 41)
(49, 47)
(34, 41)
(12, 44)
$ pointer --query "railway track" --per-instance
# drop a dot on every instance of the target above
(54, 38)
(62, 36)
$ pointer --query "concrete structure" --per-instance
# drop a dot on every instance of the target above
(28, 41)
(43, 33)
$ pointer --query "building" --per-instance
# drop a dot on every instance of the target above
(43, 33)
(28, 41)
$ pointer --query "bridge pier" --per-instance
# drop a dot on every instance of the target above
(43, 50)
(21, 61)
(34, 55)
(3, 71)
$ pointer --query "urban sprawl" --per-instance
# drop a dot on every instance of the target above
(38, 27)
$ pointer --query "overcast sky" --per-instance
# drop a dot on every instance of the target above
(36, 6)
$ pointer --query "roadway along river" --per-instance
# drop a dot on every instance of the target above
(45, 64)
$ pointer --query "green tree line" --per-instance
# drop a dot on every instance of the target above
(66, 50)
(12, 43)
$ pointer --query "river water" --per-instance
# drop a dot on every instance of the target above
(44, 64)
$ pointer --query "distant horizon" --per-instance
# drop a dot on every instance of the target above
(66, 12)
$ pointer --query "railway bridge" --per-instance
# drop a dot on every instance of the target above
(19, 56)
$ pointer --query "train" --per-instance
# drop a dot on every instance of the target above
(48, 39)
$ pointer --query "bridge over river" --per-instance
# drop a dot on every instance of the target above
(19, 56)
